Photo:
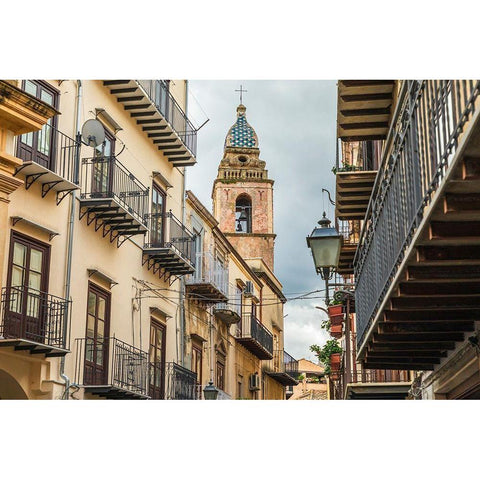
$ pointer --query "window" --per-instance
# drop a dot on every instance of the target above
(220, 380)
(27, 282)
(197, 362)
(97, 334)
(102, 178)
(157, 360)
(38, 146)
(243, 214)
(158, 216)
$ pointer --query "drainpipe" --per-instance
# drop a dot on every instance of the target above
(182, 279)
(71, 224)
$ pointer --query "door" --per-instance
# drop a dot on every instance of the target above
(27, 282)
(158, 216)
(39, 146)
(97, 336)
(157, 360)
(103, 169)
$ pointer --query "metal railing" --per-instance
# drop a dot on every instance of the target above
(250, 327)
(166, 231)
(33, 315)
(379, 376)
(234, 302)
(53, 150)
(422, 140)
(349, 230)
(180, 382)
(209, 270)
(111, 362)
(107, 178)
(282, 362)
(159, 94)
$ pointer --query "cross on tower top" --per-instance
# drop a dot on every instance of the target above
(241, 92)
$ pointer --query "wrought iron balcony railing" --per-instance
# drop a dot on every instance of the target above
(34, 321)
(422, 140)
(160, 96)
(169, 245)
(51, 158)
(180, 383)
(282, 367)
(105, 178)
(209, 282)
(255, 337)
(111, 368)
(231, 310)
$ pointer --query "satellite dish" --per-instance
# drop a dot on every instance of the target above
(93, 133)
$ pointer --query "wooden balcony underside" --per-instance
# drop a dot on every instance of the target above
(283, 378)
(364, 109)
(112, 392)
(204, 292)
(168, 260)
(34, 348)
(353, 190)
(255, 347)
(377, 391)
(345, 261)
(437, 298)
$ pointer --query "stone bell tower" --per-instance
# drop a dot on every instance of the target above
(243, 194)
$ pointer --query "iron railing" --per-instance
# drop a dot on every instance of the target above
(282, 362)
(250, 327)
(422, 140)
(349, 230)
(180, 382)
(379, 376)
(33, 315)
(159, 94)
(111, 362)
(53, 150)
(209, 270)
(234, 302)
(166, 231)
(106, 178)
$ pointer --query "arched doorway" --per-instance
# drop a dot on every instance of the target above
(10, 389)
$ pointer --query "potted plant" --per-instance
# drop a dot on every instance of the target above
(336, 331)
(324, 354)
(335, 359)
(335, 307)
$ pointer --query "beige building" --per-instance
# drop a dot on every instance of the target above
(112, 279)
(313, 383)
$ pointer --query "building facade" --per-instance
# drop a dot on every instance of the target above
(116, 283)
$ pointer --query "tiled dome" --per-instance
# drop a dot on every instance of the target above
(241, 134)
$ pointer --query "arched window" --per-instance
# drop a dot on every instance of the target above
(243, 214)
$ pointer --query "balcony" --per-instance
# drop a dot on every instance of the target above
(51, 159)
(377, 385)
(353, 191)
(160, 116)
(254, 337)
(113, 199)
(364, 109)
(229, 312)
(111, 368)
(169, 247)
(418, 262)
(209, 283)
(33, 321)
(283, 368)
(181, 383)
(350, 232)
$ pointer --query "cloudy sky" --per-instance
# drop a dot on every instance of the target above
(295, 124)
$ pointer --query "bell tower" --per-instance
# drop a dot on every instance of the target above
(243, 194)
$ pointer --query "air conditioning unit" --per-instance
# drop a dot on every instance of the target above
(248, 292)
(254, 381)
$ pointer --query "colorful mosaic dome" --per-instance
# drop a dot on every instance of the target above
(241, 134)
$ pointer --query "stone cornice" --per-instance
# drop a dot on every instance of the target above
(21, 112)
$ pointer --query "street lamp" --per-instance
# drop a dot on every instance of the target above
(325, 243)
(210, 392)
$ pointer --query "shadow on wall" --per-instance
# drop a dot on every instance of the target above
(10, 389)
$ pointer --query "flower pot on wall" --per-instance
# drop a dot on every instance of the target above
(335, 310)
(336, 331)
(335, 359)
(336, 319)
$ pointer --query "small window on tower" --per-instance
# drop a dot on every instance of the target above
(243, 214)
(242, 159)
